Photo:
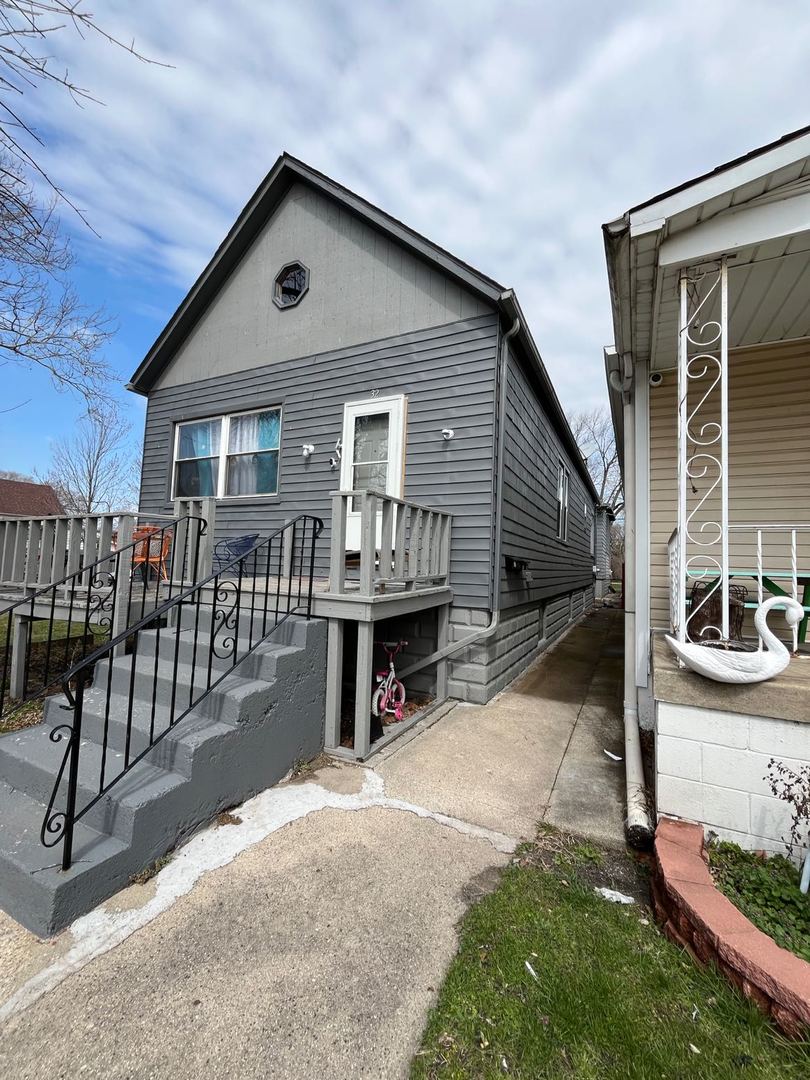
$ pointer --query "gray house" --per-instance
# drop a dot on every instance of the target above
(366, 425)
(338, 349)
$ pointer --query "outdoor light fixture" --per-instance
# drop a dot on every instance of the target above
(447, 433)
(307, 449)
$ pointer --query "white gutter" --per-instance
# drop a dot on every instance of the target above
(487, 631)
(638, 827)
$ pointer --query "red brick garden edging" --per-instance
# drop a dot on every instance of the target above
(698, 917)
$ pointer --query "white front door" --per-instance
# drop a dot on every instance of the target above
(373, 454)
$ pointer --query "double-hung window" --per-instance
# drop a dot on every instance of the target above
(562, 502)
(227, 456)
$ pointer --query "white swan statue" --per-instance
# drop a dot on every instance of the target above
(743, 667)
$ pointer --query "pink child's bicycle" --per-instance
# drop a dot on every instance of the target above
(389, 697)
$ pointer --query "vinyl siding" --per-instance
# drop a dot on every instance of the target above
(769, 460)
(364, 286)
(532, 450)
(448, 376)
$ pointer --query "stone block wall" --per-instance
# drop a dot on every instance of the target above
(696, 916)
(484, 669)
(711, 768)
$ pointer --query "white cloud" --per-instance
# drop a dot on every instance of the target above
(507, 133)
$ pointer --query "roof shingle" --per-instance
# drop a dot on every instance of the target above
(19, 498)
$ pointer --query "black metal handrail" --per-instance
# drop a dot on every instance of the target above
(249, 598)
(86, 598)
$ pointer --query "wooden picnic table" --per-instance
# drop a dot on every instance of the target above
(769, 581)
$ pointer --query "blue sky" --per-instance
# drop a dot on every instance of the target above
(506, 132)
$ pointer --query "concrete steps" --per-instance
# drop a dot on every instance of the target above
(264, 714)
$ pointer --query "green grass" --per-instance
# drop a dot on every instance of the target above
(39, 630)
(612, 998)
(58, 657)
(767, 892)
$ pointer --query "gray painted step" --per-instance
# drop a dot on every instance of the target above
(31, 765)
(30, 878)
(243, 738)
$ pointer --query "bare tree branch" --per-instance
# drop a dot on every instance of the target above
(92, 471)
(42, 321)
(27, 28)
(593, 432)
(10, 474)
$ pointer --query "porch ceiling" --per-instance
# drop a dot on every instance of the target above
(755, 209)
(768, 299)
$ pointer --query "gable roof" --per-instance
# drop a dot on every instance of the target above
(19, 498)
(285, 172)
(741, 160)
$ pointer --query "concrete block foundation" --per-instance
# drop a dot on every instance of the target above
(485, 668)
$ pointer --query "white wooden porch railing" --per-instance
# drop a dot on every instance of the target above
(774, 558)
(401, 543)
(37, 551)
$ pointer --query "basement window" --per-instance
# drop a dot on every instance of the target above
(292, 281)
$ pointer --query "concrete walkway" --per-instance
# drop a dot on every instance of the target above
(309, 939)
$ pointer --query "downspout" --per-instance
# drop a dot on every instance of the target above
(638, 827)
(457, 646)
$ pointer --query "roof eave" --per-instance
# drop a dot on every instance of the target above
(509, 306)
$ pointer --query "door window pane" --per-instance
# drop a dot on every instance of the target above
(370, 476)
(371, 438)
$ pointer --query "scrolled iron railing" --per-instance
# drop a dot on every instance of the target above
(215, 624)
(91, 604)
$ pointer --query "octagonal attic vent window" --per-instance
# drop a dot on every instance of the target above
(292, 281)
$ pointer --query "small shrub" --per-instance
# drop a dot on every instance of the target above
(794, 789)
(767, 892)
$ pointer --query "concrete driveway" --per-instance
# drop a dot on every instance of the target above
(310, 938)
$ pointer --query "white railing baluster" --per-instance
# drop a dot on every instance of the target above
(401, 542)
(403, 512)
(32, 553)
(46, 546)
(794, 569)
(386, 539)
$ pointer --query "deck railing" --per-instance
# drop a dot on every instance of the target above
(767, 559)
(75, 612)
(38, 551)
(402, 543)
(209, 628)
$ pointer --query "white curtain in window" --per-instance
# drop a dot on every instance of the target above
(256, 431)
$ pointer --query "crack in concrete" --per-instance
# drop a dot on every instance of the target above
(212, 848)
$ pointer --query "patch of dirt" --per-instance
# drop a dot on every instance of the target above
(591, 864)
(415, 704)
(150, 871)
(302, 770)
(227, 818)
(26, 715)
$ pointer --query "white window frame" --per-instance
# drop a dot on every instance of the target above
(563, 486)
(224, 438)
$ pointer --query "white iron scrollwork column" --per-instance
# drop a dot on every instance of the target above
(703, 445)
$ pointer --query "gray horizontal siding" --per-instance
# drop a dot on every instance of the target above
(363, 286)
(448, 375)
(532, 450)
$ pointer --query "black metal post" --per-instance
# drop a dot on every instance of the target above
(73, 773)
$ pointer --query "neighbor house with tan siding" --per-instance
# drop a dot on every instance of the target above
(709, 383)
